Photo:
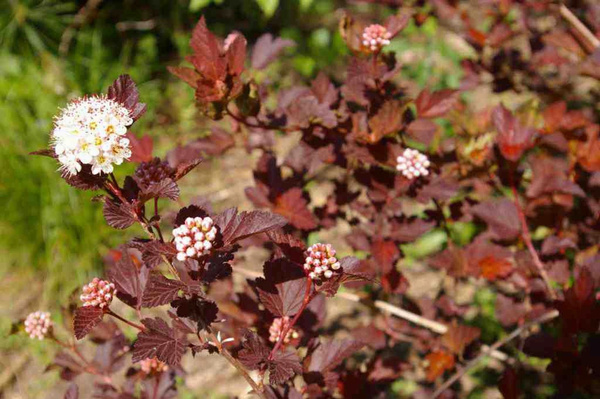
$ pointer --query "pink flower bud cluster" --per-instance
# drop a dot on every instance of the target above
(277, 327)
(413, 164)
(375, 37)
(195, 237)
(153, 366)
(98, 293)
(321, 262)
(38, 324)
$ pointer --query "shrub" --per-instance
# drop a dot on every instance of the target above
(526, 180)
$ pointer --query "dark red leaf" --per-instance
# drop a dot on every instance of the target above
(160, 341)
(199, 310)
(124, 91)
(254, 352)
(85, 179)
(267, 48)
(509, 384)
(283, 366)
(85, 319)
(161, 290)
(129, 277)
(235, 46)
(385, 254)
(458, 337)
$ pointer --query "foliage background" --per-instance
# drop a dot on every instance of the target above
(53, 238)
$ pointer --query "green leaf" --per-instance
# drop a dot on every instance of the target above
(268, 7)
(305, 5)
(197, 5)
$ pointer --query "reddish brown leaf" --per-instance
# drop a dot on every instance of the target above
(292, 206)
(513, 138)
(433, 105)
(387, 120)
(438, 362)
(458, 337)
(207, 53)
(422, 130)
(141, 149)
(330, 353)
(235, 226)
(188, 75)
(267, 48)
(385, 254)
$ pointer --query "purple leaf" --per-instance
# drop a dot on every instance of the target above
(501, 217)
(235, 226)
(119, 215)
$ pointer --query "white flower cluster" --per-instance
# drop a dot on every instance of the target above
(375, 37)
(195, 237)
(38, 324)
(279, 324)
(413, 164)
(98, 293)
(90, 130)
(321, 261)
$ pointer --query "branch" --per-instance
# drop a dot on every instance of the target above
(485, 352)
(526, 235)
(580, 28)
(124, 320)
(235, 363)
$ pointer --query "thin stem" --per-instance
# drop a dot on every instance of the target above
(235, 363)
(444, 220)
(307, 298)
(124, 320)
(485, 352)
(526, 235)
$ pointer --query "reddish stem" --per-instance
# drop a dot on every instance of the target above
(124, 320)
(526, 235)
(308, 296)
